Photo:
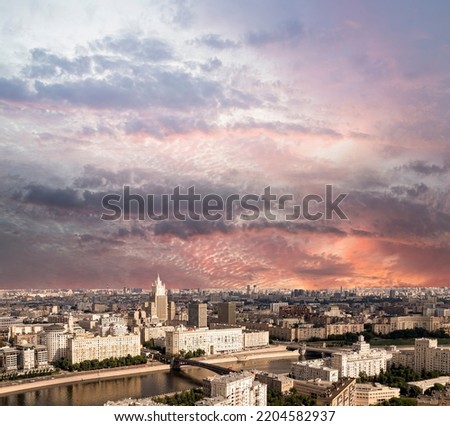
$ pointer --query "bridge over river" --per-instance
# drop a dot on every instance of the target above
(176, 363)
(303, 349)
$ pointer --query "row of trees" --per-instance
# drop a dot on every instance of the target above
(411, 400)
(25, 375)
(415, 333)
(150, 344)
(292, 398)
(189, 397)
(192, 354)
(437, 387)
(95, 364)
(399, 402)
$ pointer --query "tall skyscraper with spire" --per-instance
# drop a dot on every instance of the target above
(159, 301)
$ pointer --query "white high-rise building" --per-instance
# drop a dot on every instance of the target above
(423, 354)
(363, 359)
(41, 356)
(26, 358)
(8, 359)
(57, 340)
(159, 301)
(429, 357)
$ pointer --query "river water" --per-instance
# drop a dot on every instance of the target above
(150, 384)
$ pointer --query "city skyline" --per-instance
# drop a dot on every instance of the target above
(232, 98)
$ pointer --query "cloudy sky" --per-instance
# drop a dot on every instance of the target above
(231, 97)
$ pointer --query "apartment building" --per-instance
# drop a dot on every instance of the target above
(81, 348)
(275, 382)
(314, 369)
(235, 389)
(340, 393)
(387, 325)
(255, 339)
(222, 340)
(361, 359)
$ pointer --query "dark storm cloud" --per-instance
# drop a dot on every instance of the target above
(215, 41)
(189, 228)
(390, 216)
(424, 168)
(323, 266)
(410, 191)
(62, 198)
(298, 227)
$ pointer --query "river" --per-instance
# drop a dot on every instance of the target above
(155, 383)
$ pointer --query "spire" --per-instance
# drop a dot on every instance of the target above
(158, 287)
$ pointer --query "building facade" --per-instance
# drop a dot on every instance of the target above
(235, 389)
(340, 393)
(256, 339)
(362, 359)
(220, 340)
(315, 369)
(226, 313)
(275, 382)
(82, 348)
(198, 315)
(57, 340)
(387, 325)
(8, 359)
(343, 328)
